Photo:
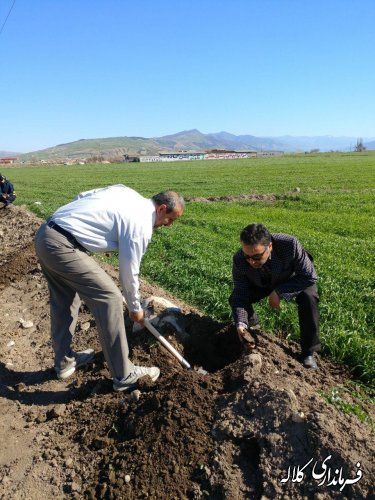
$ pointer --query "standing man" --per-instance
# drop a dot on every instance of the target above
(7, 195)
(115, 218)
(275, 266)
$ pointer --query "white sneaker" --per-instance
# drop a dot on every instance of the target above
(69, 364)
(131, 380)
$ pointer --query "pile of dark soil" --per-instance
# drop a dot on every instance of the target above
(242, 426)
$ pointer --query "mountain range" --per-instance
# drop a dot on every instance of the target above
(8, 154)
(189, 140)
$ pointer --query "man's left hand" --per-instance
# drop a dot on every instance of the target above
(274, 300)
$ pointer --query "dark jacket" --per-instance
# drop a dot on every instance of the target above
(6, 187)
(7, 195)
(291, 271)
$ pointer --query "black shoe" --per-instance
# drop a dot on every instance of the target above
(309, 362)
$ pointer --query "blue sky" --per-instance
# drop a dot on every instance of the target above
(73, 69)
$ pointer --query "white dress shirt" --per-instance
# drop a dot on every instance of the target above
(115, 218)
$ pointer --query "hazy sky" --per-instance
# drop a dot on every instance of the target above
(73, 69)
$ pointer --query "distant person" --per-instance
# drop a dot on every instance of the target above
(7, 195)
(275, 266)
(115, 218)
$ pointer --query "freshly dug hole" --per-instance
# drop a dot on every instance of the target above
(208, 343)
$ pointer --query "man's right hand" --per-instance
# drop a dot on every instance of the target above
(246, 339)
(137, 316)
(241, 332)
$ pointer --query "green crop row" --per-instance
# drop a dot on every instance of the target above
(332, 215)
(323, 173)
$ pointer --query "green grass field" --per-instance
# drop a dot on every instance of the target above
(332, 215)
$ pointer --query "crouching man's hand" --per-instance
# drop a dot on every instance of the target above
(137, 316)
(247, 340)
(241, 332)
(274, 300)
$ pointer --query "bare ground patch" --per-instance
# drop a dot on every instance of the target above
(234, 432)
(270, 198)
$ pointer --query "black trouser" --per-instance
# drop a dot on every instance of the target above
(308, 314)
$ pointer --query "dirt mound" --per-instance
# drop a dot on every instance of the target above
(242, 426)
(271, 198)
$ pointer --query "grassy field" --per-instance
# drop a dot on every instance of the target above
(332, 215)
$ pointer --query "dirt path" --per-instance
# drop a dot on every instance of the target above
(235, 432)
(270, 198)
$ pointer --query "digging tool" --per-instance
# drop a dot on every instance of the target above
(166, 344)
(163, 341)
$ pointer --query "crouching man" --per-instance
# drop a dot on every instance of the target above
(7, 194)
(115, 218)
(275, 266)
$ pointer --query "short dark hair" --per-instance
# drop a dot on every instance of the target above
(255, 233)
(169, 198)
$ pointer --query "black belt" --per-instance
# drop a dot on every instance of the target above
(64, 232)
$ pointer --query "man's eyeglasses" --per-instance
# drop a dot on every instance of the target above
(255, 257)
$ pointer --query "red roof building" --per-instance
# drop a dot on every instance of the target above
(8, 160)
